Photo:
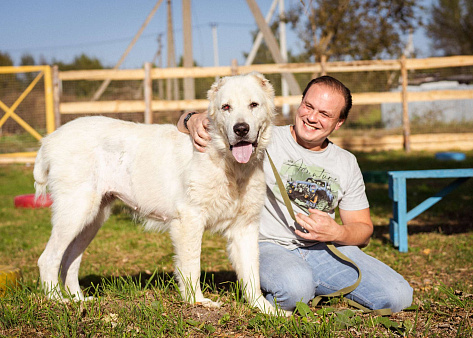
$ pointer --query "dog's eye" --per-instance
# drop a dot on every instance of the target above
(226, 107)
(254, 105)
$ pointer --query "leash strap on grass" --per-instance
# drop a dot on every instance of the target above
(333, 249)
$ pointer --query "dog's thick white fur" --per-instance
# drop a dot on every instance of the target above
(155, 169)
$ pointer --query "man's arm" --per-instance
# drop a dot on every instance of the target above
(197, 126)
(356, 228)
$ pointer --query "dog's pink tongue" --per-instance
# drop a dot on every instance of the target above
(242, 151)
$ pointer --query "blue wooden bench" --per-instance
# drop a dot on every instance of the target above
(397, 192)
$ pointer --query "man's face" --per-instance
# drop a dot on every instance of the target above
(318, 116)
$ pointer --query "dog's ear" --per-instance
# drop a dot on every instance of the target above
(215, 88)
(212, 95)
(264, 82)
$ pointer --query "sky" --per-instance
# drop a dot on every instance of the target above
(59, 30)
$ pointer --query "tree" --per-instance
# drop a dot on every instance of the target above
(450, 27)
(27, 60)
(6, 80)
(81, 62)
(80, 88)
(5, 60)
(353, 29)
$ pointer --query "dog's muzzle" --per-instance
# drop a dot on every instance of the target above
(242, 150)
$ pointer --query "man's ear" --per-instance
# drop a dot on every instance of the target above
(339, 123)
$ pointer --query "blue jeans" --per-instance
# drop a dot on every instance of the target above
(290, 276)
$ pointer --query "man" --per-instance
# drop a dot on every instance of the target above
(295, 264)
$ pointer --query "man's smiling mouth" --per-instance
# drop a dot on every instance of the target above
(309, 126)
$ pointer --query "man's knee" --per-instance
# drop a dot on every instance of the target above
(288, 288)
(400, 297)
(396, 297)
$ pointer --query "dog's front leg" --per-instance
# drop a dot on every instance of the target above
(243, 252)
(186, 236)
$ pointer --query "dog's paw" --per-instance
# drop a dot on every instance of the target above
(205, 302)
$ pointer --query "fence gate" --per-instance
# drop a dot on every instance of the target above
(26, 111)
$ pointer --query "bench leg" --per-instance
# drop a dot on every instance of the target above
(398, 224)
(394, 232)
(402, 214)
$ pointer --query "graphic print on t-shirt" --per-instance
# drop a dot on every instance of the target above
(310, 187)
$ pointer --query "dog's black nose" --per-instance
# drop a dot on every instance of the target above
(241, 129)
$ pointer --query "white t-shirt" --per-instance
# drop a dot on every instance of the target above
(313, 179)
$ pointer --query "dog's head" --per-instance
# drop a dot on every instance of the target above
(241, 112)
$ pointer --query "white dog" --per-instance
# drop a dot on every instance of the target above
(155, 169)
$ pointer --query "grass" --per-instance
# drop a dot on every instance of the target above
(130, 272)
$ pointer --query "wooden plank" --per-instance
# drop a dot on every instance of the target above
(434, 95)
(130, 106)
(102, 74)
(441, 62)
(330, 67)
(21, 69)
(419, 142)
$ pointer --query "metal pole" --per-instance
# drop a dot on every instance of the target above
(283, 46)
(215, 45)
(189, 88)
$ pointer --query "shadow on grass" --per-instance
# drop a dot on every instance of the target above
(381, 232)
(217, 280)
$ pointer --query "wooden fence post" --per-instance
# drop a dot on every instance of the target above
(234, 67)
(406, 128)
(323, 64)
(49, 100)
(148, 93)
(56, 96)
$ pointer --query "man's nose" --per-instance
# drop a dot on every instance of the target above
(314, 116)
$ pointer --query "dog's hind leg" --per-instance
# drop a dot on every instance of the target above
(186, 236)
(71, 214)
(72, 257)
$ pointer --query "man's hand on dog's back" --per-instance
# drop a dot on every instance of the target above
(197, 126)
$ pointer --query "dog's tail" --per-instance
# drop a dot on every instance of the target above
(40, 173)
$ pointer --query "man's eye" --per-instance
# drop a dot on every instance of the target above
(226, 107)
(254, 105)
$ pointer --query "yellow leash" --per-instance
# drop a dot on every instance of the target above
(333, 249)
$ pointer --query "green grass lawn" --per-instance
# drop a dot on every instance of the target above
(130, 272)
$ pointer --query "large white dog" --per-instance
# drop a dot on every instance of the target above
(155, 169)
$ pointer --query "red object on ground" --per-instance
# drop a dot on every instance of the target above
(27, 201)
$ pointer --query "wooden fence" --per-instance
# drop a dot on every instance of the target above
(148, 105)
(128, 106)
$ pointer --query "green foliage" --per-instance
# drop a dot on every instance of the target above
(81, 62)
(81, 88)
(450, 27)
(5, 60)
(358, 30)
(6, 80)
